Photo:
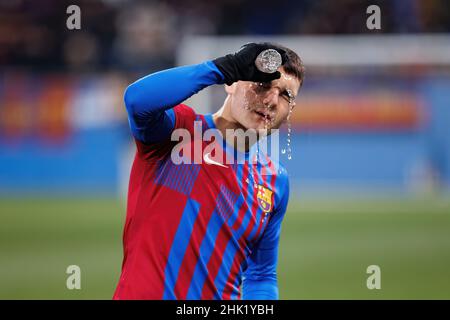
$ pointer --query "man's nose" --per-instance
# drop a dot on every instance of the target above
(271, 97)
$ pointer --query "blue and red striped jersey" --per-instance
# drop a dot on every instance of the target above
(201, 231)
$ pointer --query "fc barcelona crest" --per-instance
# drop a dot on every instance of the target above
(265, 198)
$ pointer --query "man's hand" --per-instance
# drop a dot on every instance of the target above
(241, 65)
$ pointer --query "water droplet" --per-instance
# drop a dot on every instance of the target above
(288, 78)
(288, 140)
(256, 153)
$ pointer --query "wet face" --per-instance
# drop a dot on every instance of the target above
(264, 105)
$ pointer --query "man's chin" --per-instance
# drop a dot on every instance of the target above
(260, 128)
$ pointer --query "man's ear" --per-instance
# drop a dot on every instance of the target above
(230, 89)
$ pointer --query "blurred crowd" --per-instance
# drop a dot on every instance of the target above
(132, 35)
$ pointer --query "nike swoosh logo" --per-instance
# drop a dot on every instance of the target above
(208, 160)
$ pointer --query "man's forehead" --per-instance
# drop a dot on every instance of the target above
(287, 81)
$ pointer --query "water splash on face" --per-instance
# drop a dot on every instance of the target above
(286, 77)
(250, 91)
(252, 101)
(267, 114)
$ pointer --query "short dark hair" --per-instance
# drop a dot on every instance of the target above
(294, 64)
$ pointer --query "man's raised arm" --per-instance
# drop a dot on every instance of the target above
(149, 100)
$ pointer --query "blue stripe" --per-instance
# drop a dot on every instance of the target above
(185, 176)
(179, 246)
(163, 172)
(190, 176)
(187, 181)
(193, 173)
(238, 203)
(176, 175)
(206, 250)
(226, 204)
(181, 181)
(180, 178)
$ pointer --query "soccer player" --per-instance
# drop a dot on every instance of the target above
(206, 230)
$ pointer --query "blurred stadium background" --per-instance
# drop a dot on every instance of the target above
(370, 172)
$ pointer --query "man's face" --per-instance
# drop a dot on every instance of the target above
(264, 105)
